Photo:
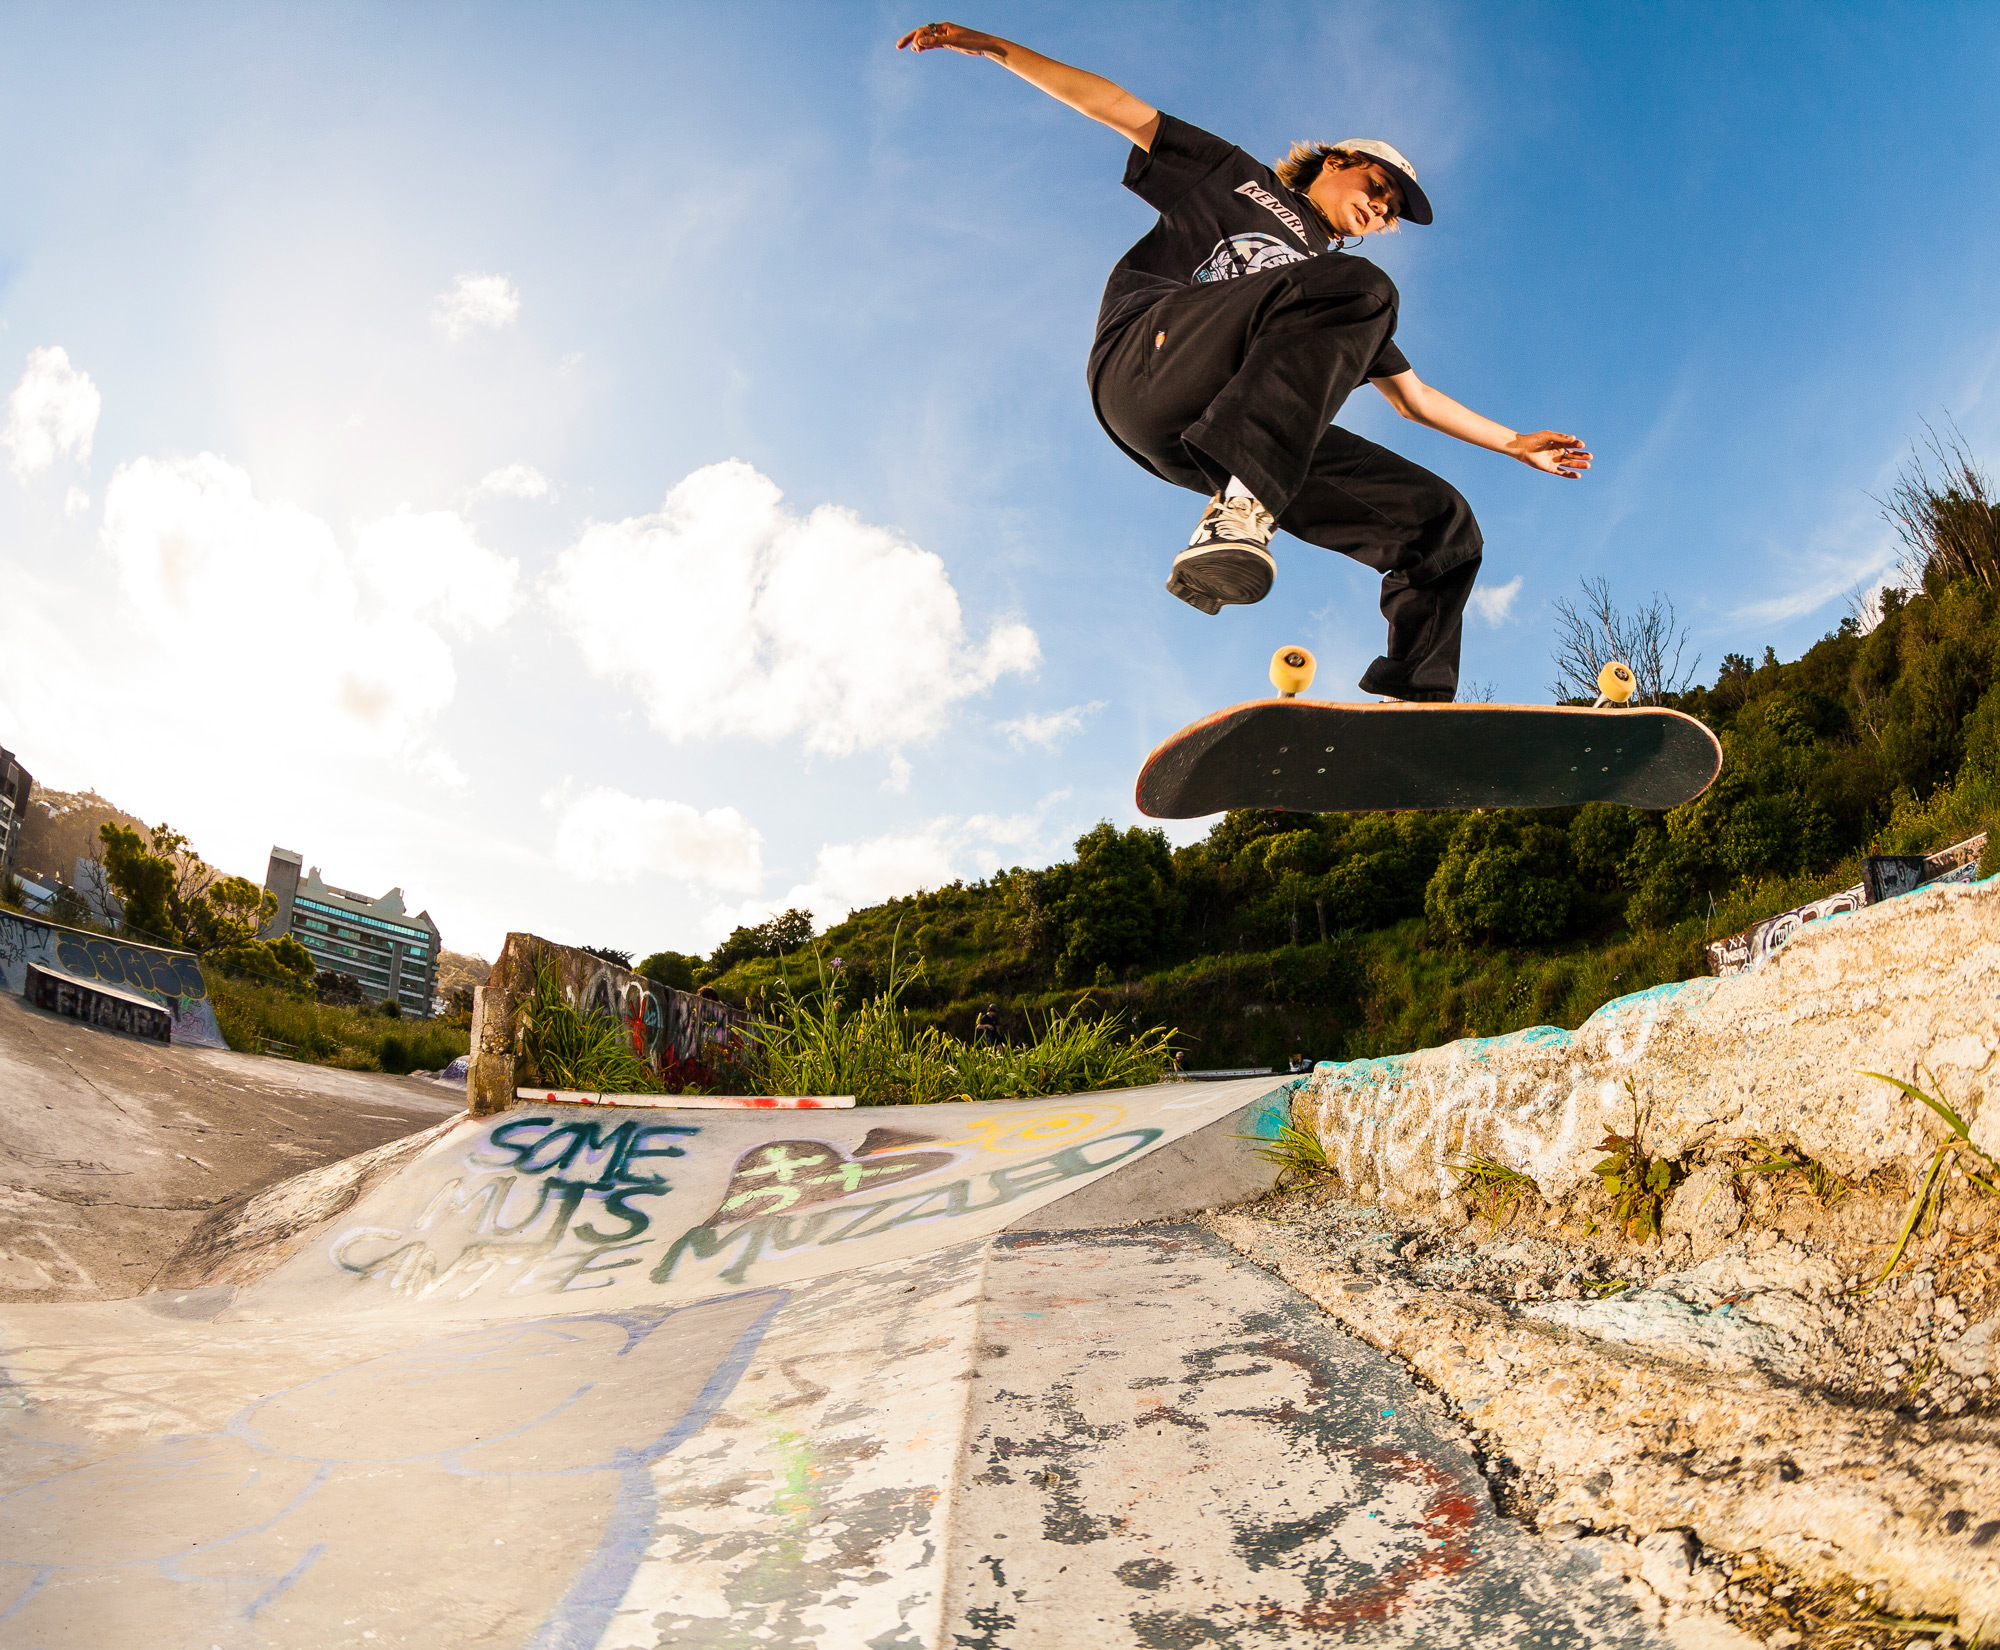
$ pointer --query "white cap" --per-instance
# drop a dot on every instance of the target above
(1416, 204)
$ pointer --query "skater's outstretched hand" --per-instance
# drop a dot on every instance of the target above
(1089, 94)
(1551, 452)
(950, 37)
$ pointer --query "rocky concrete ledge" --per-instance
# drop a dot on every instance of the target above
(1750, 1348)
(1775, 1053)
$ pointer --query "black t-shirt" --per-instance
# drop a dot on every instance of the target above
(1223, 213)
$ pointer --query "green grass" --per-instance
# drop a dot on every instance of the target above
(253, 1014)
(1498, 1189)
(815, 1042)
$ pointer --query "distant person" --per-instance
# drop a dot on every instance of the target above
(1228, 339)
(708, 993)
(986, 1029)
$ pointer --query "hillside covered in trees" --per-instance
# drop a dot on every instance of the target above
(1339, 936)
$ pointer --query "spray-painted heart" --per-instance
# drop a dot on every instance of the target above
(783, 1175)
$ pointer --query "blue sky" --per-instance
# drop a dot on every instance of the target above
(405, 489)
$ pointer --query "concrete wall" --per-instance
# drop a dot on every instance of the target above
(680, 1035)
(1882, 877)
(169, 979)
(1776, 1052)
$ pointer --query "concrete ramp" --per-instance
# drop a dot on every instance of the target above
(902, 1377)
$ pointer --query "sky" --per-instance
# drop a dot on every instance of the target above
(616, 471)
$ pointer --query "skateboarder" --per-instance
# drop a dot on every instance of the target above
(1229, 337)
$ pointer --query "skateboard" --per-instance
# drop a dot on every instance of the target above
(1312, 756)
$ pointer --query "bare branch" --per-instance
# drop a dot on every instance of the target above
(1592, 632)
(1945, 518)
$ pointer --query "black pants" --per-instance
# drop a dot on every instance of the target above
(1244, 378)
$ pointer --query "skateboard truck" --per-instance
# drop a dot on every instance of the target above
(1292, 671)
(1615, 684)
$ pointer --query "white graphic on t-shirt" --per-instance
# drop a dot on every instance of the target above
(1246, 255)
(1277, 208)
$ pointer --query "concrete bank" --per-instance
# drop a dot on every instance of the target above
(113, 1149)
(878, 1378)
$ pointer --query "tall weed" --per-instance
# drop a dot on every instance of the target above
(813, 1042)
(253, 1015)
(564, 1048)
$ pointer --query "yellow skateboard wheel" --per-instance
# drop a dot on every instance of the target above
(1292, 671)
(1616, 682)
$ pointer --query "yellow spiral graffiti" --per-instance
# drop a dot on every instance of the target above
(1041, 1131)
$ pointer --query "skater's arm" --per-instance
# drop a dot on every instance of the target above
(1088, 94)
(1546, 450)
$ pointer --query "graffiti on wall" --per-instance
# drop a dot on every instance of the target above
(546, 1204)
(171, 980)
(1533, 1099)
(688, 1039)
(112, 1010)
(1885, 876)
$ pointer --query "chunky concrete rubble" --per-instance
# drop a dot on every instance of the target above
(1695, 1401)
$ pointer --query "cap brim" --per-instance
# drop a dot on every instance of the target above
(1416, 204)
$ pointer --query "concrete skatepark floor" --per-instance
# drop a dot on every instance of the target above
(894, 1377)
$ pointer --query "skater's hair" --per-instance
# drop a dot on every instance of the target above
(1299, 170)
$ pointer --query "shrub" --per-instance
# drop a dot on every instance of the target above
(1506, 878)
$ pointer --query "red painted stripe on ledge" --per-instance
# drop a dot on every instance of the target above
(690, 1102)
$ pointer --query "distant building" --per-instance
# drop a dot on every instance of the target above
(393, 955)
(15, 783)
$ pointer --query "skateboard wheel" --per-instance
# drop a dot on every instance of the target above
(1292, 671)
(1616, 682)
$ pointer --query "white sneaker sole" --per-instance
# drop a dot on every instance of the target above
(1214, 576)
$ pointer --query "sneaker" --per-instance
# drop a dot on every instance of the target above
(1229, 560)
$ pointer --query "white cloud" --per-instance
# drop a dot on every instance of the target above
(517, 481)
(432, 564)
(727, 614)
(848, 875)
(219, 575)
(607, 836)
(1495, 603)
(53, 410)
(75, 502)
(898, 780)
(1051, 730)
(1821, 576)
(475, 303)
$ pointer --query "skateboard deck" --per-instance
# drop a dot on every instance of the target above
(1313, 756)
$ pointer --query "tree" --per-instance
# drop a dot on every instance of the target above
(232, 911)
(1505, 880)
(1290, 859)
(174, 897)
(608, 953)
(282, 961)
(787, 931)
(1592, 632)
(1114, 904)
(672, 969)
(146, 879)
(1947, 519)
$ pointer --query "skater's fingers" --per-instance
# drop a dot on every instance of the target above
(930, 37)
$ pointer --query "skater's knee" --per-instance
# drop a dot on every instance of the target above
(1347, 277)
